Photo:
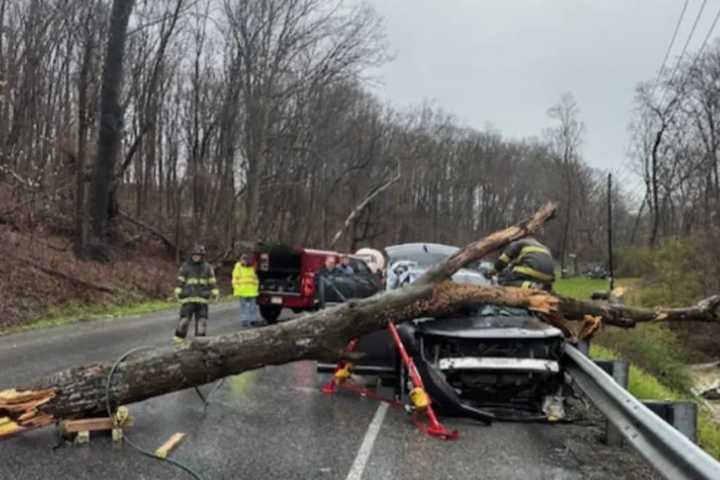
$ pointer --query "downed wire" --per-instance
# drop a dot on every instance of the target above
(141, 450)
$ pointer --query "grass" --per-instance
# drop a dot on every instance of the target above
(579, 287)
(74, 312)
(658, 367)
(653, 347)
(77, 312)
(645, 386)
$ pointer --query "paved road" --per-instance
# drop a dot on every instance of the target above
(275, 424)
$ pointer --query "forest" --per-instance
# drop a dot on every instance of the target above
(259, 120)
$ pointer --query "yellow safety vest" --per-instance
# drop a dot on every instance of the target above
(245, 281)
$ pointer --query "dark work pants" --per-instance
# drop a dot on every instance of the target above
(188, 311)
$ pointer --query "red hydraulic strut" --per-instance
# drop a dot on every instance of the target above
(422, 399)
(342, 366)
(418, 396)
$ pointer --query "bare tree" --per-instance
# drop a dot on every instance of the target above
(111, 123)
(565, 140)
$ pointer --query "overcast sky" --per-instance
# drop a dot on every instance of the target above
(504, 62)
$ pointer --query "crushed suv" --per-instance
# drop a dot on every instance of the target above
(484, 361)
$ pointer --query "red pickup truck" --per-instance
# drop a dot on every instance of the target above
(287, 280)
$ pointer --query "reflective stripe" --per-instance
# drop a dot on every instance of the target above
(526, 284)
(531, 272)
(181, 279)
(194, 300)
(504, 258)
(197, 281)
(531, 249)
(245, 281)
(212, 281)
(215, 292)
(178, 291)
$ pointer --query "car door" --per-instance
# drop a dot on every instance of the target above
(367, 283)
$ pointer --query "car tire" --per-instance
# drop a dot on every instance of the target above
(270, 313)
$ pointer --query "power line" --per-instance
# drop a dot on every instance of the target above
(707, 37)
(684, 49)
(672, 41)
(701, 49)
(687, 42)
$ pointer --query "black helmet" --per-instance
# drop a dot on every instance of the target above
(198, 249)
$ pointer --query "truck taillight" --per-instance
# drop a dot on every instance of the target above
(264, 263)
(308, 285)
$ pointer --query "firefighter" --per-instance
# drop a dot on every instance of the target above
(196, 286)
(246, 288)
(526, 263)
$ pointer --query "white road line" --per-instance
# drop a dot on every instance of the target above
(363, 455)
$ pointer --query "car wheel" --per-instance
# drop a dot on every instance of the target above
(270, 313)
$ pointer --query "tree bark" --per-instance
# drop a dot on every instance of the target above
(80, 392)
(111, 118)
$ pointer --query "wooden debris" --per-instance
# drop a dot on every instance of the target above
(23, 407)
(171, 444)
(590, 326)
(8, 427)
(87, 425)
(83, 427)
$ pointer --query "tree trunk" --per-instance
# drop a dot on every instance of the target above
(81, 204)
(81, 391)
(655, 206)
(111, 119)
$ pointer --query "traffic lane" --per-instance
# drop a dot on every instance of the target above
(276, 412)
(502, 451)
(272, 423)
(27, 355)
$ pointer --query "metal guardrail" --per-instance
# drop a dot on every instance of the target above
(671, 453)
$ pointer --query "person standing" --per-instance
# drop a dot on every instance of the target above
(246, 287)
(345, 267)
(196, 285)
(324, 278)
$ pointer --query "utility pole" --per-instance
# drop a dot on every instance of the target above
(611, 278)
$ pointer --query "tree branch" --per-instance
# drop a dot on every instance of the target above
(361, 206)
(80, 391)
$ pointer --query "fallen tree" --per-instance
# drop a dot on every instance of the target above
(81, 391)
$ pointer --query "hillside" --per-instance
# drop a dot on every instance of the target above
(40, 273)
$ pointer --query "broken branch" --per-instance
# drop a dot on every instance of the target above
(80, 391)
(361, 206)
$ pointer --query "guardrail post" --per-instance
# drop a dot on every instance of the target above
(619, 370)
(584, 347)
(681, 414)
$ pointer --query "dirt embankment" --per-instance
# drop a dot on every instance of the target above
(39, 271)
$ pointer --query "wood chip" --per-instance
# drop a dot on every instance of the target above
(167, 447)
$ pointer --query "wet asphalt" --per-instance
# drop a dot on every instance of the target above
(274, 423)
